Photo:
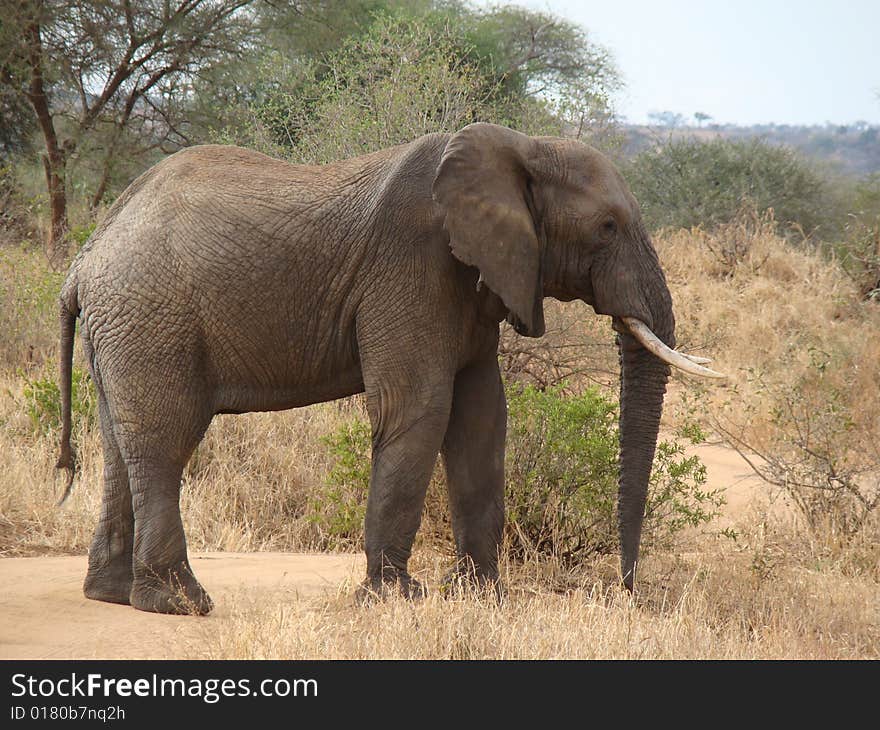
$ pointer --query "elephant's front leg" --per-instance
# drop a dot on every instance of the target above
(473, 452)
(408, 427)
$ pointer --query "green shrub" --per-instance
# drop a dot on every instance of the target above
(42, 402)
(687, 183)
(28, 305)
(78, 235)
(338, 509)
(561, 479)
(562, 472)
(858, 250)
(859, 256)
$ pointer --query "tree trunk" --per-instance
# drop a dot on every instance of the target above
(55, 173)
(98, 197)
(54, 158)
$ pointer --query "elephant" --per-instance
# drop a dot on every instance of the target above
(226, 281)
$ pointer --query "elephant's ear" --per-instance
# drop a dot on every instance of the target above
(482, 187)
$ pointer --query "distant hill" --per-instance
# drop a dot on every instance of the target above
(853, 148)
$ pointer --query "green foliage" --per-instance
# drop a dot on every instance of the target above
(78, 235)
(676, 498)
(338, 509)
(401, 80)
(42, 402)
(318, 28)
(142, 56)
(18, 122)
(533, 55)
(18, 211)
(29, 310)
(562, 472)
(867, 197)
(413, 68)
(859, 256)
(561, 479)
(858, 251)
(686, 183)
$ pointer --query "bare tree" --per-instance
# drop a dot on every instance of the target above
(111, 70)
(666, 119)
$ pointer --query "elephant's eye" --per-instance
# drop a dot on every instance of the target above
(609, 228)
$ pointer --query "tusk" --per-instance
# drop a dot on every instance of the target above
(698, 360)
(652, 343)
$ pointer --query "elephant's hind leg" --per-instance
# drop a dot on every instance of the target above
(473, 452)
(164, 581)
(109, 577)
(156, 453)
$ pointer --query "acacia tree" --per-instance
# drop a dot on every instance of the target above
(537, 55)
(666, 119)
(335, 84)
(104, 72)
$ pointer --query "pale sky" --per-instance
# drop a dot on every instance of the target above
(741, 61)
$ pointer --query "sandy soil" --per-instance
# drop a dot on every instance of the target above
(43, 613)
(727, 470)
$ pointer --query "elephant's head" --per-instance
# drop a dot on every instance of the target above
(541, 216)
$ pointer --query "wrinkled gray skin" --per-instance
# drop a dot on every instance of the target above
(224, 281)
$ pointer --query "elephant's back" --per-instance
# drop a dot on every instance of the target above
(201, 210)
(218, 245)
(226, 203)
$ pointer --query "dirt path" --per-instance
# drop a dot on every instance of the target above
(43, 613)
(727, 470)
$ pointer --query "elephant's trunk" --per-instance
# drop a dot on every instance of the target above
(642, 386)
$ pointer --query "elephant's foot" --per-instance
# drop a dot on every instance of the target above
(392, 582)
(176, 592)
(109, 577)
(112, 585)
(463, 581)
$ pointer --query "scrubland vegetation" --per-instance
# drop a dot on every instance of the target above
(774, 267)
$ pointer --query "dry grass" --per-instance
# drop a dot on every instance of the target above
(262, 468)
(778, 591)
(30, 521)
(802, 348)
(245, 489)
(760, 306)
(695, 607)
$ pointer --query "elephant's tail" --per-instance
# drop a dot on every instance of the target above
(67, 459)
